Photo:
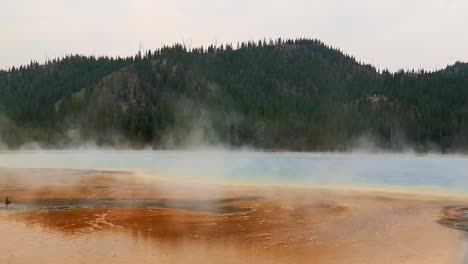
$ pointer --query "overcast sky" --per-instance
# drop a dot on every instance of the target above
(391, 33)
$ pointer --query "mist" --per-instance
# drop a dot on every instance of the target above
(205, 203)
(436, 173)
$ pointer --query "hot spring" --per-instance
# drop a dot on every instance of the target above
(433, 173)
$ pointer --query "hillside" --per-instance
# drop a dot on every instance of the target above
(283, 94)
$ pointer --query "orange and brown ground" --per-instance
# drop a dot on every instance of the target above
(68, 216)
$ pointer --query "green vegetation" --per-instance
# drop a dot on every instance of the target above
(282, 94)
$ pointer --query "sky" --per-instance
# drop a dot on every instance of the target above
(393, 34)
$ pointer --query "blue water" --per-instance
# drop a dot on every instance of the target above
(432, 172)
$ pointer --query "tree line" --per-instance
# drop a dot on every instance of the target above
(298, 94)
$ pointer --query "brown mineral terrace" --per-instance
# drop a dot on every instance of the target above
(78, 216)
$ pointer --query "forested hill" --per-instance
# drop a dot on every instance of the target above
(283, 94)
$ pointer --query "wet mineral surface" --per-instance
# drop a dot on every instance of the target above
(73, 216)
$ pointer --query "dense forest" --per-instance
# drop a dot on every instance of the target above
(278, 94)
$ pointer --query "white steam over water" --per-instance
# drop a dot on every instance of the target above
(430, 173)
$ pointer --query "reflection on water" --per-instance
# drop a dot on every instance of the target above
(220, 206)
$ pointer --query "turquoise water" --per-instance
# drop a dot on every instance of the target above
(431, 172)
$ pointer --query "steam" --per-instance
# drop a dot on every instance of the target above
(195, 176)
(435, 173)
(3, 127)
(202, 156)
(194, 129)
